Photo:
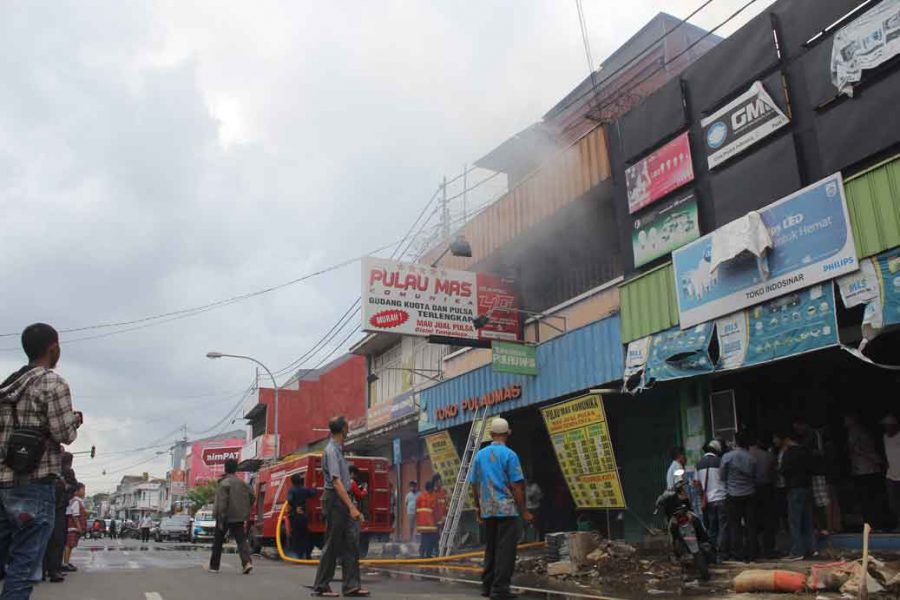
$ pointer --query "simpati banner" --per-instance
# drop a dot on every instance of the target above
(418, 300)
(663, 171)
(744, 121)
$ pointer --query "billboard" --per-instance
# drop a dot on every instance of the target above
(418, 300)
(177, 485)
(207, 459)
(744, 121)
(812, 242)
(663, 171)
(662, 230)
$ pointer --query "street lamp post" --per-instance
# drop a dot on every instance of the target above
(274, 386)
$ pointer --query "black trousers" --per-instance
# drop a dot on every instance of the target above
(300, 543)
(341, 540)
(499, 555)
(145, 534)
(742, 538)
(240, 537)
(767, 516)
(54, 554)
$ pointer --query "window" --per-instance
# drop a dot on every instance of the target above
(390, 378)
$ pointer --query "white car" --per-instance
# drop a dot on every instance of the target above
(204, 528)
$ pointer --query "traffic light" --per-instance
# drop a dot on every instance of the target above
(93, 451)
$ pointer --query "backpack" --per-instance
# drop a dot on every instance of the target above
(26, 445)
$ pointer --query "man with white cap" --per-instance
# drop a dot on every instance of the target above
(499, 486)
(892, 453)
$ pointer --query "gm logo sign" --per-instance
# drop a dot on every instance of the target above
(715, 135)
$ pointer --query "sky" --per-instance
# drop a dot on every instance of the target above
(157, 156)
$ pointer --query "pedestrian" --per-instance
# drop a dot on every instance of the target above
(715, 517)
(64, 490)
(499, 486)
(298, 496)
(533, 497)
(341, 516)
(679, 460)
(33, 398)
(146, 524)
(738, 473)
(814, 440)
(796, 466)
(232, 509)
(411, 509)
(76, 519)
(892, 454)
(112, 528)
(766, 515)
(866, 466)
(425, 522)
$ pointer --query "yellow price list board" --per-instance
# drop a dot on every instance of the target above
(580, 435)
(445, 462)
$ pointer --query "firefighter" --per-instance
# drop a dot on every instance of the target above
(425, 523)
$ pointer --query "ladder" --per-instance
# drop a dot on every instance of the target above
(461, 487)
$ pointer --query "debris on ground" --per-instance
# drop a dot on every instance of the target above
(769, 580)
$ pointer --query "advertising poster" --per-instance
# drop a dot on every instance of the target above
(793, 324)
(418, 300)
(445, 461)
(664, 229)
(580, 436)
(507, 357)
(207, 459)
(812, 242)
(677, 353)
(665, 170)
(636, 357)
(865, 43)
(177, 483)
(889, 280)
(744, 121)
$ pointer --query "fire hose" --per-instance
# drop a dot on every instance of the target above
(433, 563)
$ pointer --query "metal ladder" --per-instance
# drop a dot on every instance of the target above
(461, 487)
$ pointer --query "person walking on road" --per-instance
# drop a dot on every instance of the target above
(341, 515)
(112, 529)
(33, 398)
(411, 496)
(499, 486)
(297, 498)
(232, 509)
(146, 524)
(76, 516)
(738, 472)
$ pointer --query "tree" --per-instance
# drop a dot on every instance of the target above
(202, 495)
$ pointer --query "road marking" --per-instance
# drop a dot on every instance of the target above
(132, 564)
(152, 596)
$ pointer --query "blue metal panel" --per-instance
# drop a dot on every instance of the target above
(589, 356)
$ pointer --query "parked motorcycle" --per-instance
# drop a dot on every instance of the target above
(690, 542)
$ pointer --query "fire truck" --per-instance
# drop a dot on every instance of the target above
(272, 482)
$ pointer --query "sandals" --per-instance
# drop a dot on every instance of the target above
(358, 593)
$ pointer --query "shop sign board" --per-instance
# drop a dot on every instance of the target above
(398, 454)
(580, 435)
(663, 171)
(812, 242)
(676, 353)
(794, 324)
(493, 398)
(662, 230)
(746, 120)
(445, 460)
(507, 357)
(402, 405)
(418, 300)
(864, 43)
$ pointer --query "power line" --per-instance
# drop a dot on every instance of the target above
(587, 44)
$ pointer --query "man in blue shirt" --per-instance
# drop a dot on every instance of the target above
(499, 486)
(738, 472)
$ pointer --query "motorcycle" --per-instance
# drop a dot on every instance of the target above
(690, 542)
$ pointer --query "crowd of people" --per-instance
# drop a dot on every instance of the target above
(427, 514)
(762, 485)
(42, 512)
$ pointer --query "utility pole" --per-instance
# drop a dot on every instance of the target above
(465, 190)
(445, 212)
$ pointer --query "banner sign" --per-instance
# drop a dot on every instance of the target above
(400, 406)
(207, 459)
(662, 230)
(418, 300)
(507, 357)
(812, 242)
(675, 353)
(636, 356)
(889, 280)
(877, 286)
(580, 436)
(793, 324)
(177, 486)
(663, 171)
(744, 121)
(445, 460)
(865, 43)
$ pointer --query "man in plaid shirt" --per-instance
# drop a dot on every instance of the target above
(42, 401)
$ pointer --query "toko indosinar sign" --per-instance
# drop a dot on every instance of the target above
(812, 242)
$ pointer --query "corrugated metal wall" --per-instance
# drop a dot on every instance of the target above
(560, 181)
(873, 200)
(648, 303)
(585, 357)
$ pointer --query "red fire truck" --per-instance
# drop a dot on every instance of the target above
(272, 482)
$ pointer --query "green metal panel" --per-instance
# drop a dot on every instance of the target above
(648, 303)
(873, 200)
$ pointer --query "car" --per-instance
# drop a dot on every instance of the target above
(204, 528)
(177, 528)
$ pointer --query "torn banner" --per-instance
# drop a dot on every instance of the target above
(677, 353)
(877, 285)
(865, 43)
(745, 235)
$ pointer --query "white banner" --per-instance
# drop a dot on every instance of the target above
(865, 43)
